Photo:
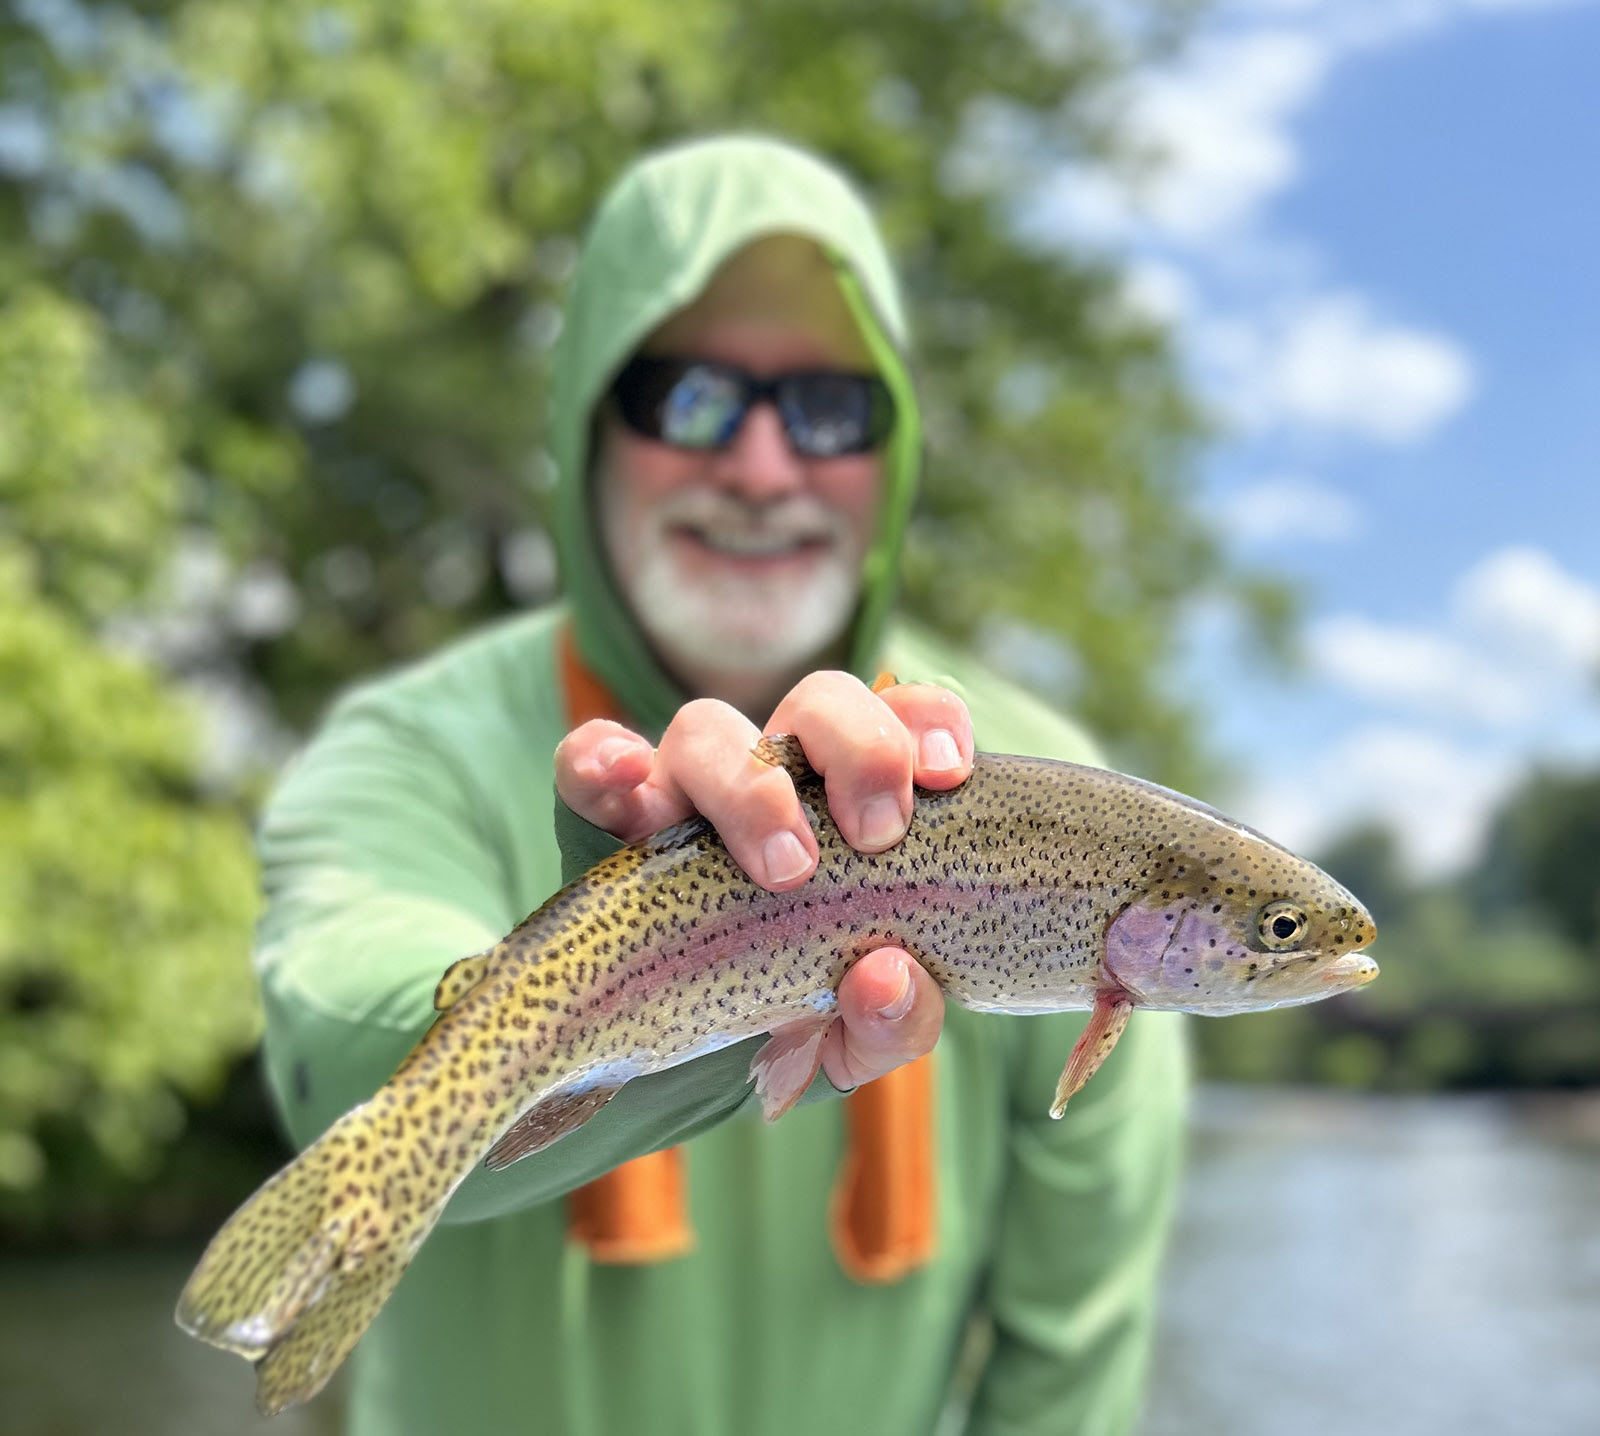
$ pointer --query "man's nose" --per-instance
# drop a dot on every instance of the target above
(759, 463)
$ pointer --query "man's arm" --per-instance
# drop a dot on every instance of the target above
(1083, 1224)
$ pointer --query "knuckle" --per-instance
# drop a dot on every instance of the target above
(698, 729)
(575, 741)
(739, 793)
(768, 799)
(929, 704)
(817, 697)
(826, 680)
(703, 714)
(882, 756)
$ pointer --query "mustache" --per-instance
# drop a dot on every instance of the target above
(797, 516)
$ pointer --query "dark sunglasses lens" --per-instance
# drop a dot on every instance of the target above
(695, 406)
(703, 409)
(830, 414)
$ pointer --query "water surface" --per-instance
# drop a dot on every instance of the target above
(1343, 1266)
(1406, 1266)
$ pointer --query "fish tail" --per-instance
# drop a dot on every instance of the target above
(299, 1271)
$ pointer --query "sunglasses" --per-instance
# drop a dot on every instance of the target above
(700, 404)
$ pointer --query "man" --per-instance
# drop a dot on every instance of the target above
(738, 444)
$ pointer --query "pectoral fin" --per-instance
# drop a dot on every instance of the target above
(785, 1067)
(544, 1123)
(1111, 1012)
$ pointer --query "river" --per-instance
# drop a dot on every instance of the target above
(1341, 1266)
(1398, 1266)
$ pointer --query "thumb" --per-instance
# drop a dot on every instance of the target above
(601, 769)
(890, 1013)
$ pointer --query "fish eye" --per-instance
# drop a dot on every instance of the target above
(1281, 925)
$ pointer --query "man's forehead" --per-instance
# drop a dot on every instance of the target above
(781, 284)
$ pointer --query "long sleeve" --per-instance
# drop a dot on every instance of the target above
(1085, 1211)
(383, 862)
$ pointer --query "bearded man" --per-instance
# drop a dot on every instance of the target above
(738, 444)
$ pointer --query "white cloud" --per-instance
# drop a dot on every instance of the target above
(1523, 597)
(1417, 669)
(1288, 507)
(1341, 367)
(1505, 682)
(1436, 795)
(1218, 126)
(1209, 143)
(1329, 363)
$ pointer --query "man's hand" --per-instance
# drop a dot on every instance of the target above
(870, 749)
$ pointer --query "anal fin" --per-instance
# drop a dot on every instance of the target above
(460, 978)
(546, 1122)
(1112, 1008)
(786, 1065)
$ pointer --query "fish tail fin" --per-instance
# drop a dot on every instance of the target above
(297, 1274)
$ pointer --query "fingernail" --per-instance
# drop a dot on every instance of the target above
(785, 857)
(609, 750)
(882, 822)
(900, 1004)
(940, 752)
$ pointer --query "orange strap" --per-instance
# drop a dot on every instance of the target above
(882, 1213)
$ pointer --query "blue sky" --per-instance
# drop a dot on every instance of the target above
(1376, 230)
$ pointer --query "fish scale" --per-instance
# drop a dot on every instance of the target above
(1035, 886)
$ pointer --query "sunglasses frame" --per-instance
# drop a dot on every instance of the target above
(643, 417)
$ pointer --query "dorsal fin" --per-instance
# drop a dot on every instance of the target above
(460, 978)
(783, 750)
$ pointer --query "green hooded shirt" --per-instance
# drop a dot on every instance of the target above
(419, 826)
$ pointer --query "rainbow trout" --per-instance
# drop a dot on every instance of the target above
(1035, 886)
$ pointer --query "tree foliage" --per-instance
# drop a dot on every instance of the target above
(1491, 978)
(123, 894)
(1544, 852)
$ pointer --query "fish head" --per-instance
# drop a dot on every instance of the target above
(1235, 925)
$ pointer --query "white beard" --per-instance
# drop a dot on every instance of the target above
(731, 621)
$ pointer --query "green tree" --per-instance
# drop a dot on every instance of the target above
(1368, 861)
(124, 894)
(1544, 854)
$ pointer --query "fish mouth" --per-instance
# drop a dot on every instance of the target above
(1354, 969)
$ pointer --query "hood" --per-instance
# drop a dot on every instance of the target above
(658, 238)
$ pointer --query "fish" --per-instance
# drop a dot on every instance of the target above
(1036, 886)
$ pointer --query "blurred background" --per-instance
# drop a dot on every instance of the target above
(1259, 346)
